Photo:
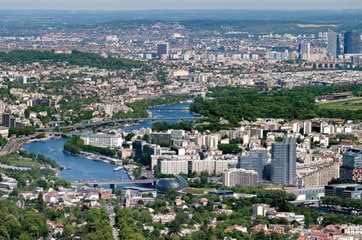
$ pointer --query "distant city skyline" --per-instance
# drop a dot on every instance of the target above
(182, 5)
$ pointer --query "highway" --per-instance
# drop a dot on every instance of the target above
(12, 145)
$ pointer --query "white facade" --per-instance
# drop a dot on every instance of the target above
(222, 165)
(173, 166)
(199, 166)
(353, 230)
(210, 141)
(103, 140)
(307, 127)
(210, 166)
(177, 133)
(241, 177)
(4, 132)
(260, 209)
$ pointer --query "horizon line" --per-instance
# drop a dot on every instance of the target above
(172, 9)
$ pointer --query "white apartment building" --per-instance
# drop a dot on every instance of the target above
(241, 177)
(210, 141)
(103, 140)
(183, 164)
(173, 166)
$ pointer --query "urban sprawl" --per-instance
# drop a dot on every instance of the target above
(206, 184)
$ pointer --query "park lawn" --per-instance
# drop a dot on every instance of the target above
(349, 104)
(19, 161)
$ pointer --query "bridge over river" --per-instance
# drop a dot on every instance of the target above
(87, 124)
(113, 182)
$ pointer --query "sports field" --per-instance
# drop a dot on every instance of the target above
(348, 104)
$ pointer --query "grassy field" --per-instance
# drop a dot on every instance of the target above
(14, 160)
(349, 104)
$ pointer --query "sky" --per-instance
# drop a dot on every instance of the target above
(180, 4)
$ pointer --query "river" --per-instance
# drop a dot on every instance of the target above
(82, 168)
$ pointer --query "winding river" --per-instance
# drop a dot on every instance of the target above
(82, 168)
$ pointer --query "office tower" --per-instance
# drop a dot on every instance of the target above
(162, 50)
(352, 42)
(351, 169)
(8, 120)
(255, 161)
(138, 148)
(334, 44)
(283, 169)
(304, 51)
(241, 177)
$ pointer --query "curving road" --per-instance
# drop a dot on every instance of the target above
(12, 145)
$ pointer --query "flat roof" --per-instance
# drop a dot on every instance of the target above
(141, 189)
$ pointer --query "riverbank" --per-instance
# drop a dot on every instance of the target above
(81, 168)
(101, 158)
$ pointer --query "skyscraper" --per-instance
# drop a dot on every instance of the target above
(304, 51)
(352, 42)
(162, 50)
(283, 169)
(334, 44)
(255, 161)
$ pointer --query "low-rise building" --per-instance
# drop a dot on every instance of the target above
(344, 190)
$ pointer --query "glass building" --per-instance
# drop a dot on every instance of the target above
(283, 169)
(164, 185)
(333, 47)
(352, 42)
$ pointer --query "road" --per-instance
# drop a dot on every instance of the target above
(12, 145)
(112, 222)
(4, 166)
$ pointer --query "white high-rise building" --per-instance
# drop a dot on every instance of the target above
(210, 166)
(103, 140)
(307, 127)
(241, 177)
(173, 166)
(304, 51)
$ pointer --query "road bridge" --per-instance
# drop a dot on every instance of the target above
(121, 120)
(113, 182)
(170, 109)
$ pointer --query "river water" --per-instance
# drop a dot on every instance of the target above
(82, 168)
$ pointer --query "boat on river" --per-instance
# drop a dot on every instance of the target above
(119, 168)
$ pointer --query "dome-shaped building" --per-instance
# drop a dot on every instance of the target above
(166, 184)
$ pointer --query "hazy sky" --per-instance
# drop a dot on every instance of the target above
(179, 4)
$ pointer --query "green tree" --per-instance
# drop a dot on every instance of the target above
(40, 203)
(4, 233)
(68, 232)
(25, 236)
(174, 228)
